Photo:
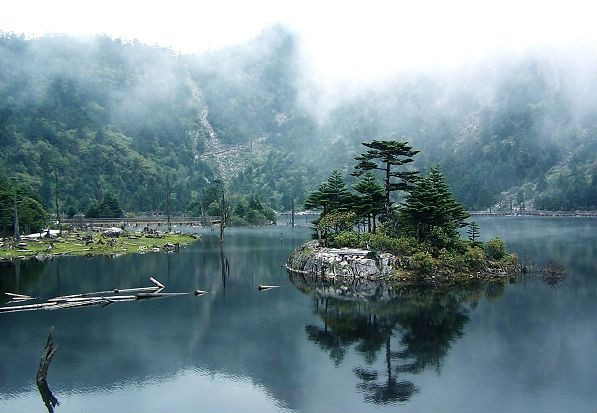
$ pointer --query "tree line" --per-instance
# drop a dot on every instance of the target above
(428, 212)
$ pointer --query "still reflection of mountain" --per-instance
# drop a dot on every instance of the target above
(413, 327)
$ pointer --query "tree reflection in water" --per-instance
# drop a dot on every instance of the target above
(412, 326)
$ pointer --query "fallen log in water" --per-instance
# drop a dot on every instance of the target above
(28, 307)
(77, 304)
(157, 295)
(267, 287)
(20, 300)
(94, 298)
(20, 296)
(156, 282)
(136, 290)
(101, 293)
(200, 292)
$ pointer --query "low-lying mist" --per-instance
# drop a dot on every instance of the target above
(119, 116)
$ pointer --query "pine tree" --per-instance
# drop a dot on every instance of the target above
(430, 206)
(424, 209)
(384, 156)
(109, 207)
(331, 196)
(457, 213)
(371, 202)
(473, 231)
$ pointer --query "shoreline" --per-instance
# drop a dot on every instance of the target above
(91, 244)
(350, 264)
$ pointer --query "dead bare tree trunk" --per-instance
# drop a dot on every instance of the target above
(42, 372)
(168, 202)
(57, 199)
(17, 230)
(223, 213)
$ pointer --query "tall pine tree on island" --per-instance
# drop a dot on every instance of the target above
(371, 201)
(385, 156)
(430, 206)
(331, 196)
(457, 214)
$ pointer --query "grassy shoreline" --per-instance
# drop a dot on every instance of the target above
(92, 243)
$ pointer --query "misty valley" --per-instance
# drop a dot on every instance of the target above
(225, 231)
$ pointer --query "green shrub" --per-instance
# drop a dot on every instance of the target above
(451, 259)
(509, 261)
(348, 239)
(495, 248)
(383, 243)
(474, 258)
(442, 238)
(422, 262)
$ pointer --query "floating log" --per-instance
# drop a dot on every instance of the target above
(136, 290)
(120, 297)
(82, 295)
(267, 287)
(101, 293)
(78, 304)
(20, 300)
(200, 292)
(14, 295)
(157, 295)
(156, 282)
(28, 307)
(77, 299)
(95, 298)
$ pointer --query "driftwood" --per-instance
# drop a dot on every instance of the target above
(42, 372)
(20, 300)
(267, 287)
(137, 290)
(100, 293)
(102, 298)
(141, 296)
(28, 307)
(156, 282)
(19, 296)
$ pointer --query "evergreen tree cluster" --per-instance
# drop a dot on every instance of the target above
(32, 215)
(430, 207)
(430, 213)
(107, 208)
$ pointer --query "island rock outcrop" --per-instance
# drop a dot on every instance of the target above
(312, 259)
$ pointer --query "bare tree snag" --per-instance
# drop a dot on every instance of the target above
(42, 372)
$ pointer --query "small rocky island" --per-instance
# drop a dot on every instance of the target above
(363, 235)
(357, 264)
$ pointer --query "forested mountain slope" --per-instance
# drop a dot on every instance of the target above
(104, 115)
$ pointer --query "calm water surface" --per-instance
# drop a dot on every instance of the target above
(521, 347)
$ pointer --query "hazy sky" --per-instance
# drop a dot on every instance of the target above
(340, 39)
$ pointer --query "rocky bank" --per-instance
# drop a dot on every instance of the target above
(348, 263)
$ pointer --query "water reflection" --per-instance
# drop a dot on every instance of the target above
(46, 395)
(412, 327)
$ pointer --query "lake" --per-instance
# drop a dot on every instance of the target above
(518, 347)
